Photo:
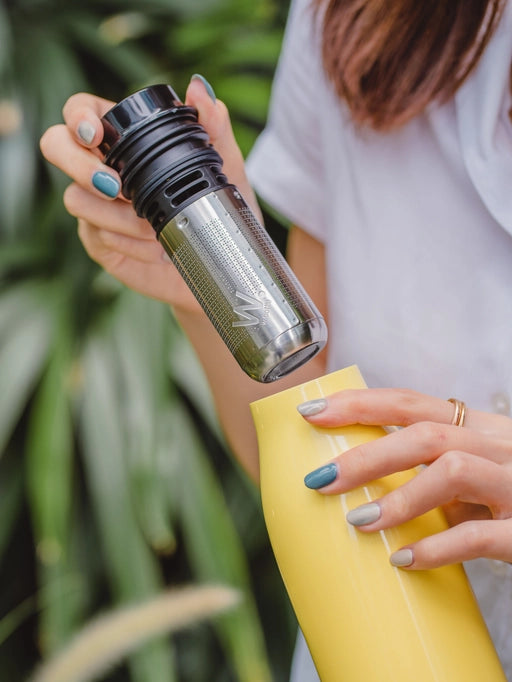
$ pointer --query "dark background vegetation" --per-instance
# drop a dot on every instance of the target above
(115, 481)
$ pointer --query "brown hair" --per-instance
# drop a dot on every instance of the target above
(388, 59)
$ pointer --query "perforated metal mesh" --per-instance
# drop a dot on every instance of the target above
(242, 282)
(245, 219)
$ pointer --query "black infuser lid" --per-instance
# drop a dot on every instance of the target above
(161, 152)
(136, 109)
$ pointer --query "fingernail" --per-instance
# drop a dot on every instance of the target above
(86, 131)
(106, 183)
(404, 557)
(165, 257)
(312, 407)
(366, 513)
(322, 476)
(208, 87)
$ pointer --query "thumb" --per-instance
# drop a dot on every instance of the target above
(213, 115)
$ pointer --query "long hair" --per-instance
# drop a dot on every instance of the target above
(389, 59)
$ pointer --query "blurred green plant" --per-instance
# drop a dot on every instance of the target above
(115, 480)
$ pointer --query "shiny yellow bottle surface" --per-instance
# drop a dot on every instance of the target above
(363, 620)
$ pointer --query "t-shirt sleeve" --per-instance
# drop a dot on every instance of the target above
(285, 165)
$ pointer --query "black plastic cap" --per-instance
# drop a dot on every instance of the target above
(132, 110)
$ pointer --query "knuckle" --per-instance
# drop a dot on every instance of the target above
(406, 396)
(353, 403)
(429, 433)
(477, 538)
(456, 467)
(107, 238)
(397, 505)
(407, 402)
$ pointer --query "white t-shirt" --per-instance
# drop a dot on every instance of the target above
(418, 225)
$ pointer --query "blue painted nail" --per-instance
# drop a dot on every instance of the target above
(106, 184)
(322, 476)
(208, 87)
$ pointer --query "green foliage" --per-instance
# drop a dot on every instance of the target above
(115, 481)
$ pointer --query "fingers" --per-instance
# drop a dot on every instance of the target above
(116, 216)
(98, 243)
(82, 113)
(420, 443)
(454, 476)
(469, 471)
(399, 407)
(123, 244)
(214, 117)
(73, 147)
(130, 252)
(138, 264)
(469, 540)
(60, 148)
(111, 233)
(83, 163)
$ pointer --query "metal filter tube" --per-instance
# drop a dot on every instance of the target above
(243, 283)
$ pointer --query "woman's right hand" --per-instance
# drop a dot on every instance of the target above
(112, 234)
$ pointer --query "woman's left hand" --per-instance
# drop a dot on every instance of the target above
(469, 472)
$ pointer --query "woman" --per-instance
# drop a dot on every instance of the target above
(389, 147)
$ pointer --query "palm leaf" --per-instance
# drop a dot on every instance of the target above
(26, 321)
(50, 484)
(215, 549)
(146, 387)
(132, 570)
(11, 501)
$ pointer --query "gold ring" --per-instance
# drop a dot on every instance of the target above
(459, 414)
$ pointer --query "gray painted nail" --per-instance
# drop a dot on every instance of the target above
(312, 407)
(403, 557)
(86, 131)
(366, 513)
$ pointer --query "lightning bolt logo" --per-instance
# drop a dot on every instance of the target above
(249, 305)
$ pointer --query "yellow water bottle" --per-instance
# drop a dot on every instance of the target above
(363, 619)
